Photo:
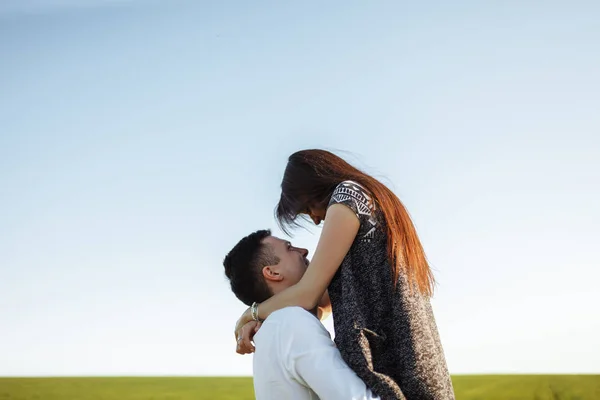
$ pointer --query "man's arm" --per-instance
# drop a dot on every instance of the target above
(313, 360)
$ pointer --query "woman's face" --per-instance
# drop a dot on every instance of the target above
(317, 214)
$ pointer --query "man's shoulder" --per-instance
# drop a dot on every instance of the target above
(287, 323)
(289, 312)
(294, 318)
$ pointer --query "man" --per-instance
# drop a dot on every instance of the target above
(295, 357)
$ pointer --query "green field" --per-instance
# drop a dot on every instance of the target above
(467, 387)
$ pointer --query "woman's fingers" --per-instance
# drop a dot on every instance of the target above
(245, 336)
(246, 316)
(241, 347)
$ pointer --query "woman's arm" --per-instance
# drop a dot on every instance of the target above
(324, 307)
(339, 231)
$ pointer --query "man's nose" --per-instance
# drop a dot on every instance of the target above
(302, 251)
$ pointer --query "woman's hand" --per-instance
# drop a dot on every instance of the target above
(245, 337)
(245, 328)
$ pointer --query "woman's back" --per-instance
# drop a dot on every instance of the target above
(387, 335)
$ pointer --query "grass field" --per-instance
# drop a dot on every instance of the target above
(467, 387)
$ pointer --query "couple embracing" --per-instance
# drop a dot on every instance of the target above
(369, 269)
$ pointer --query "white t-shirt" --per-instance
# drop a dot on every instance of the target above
(295, 359)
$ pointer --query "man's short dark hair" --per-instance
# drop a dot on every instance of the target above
(244, 264)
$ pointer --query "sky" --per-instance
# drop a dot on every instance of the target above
(140, 140)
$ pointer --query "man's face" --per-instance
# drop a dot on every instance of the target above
(292, 260)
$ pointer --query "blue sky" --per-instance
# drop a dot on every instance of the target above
(140, 140)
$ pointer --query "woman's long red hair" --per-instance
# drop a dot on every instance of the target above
(310, 179)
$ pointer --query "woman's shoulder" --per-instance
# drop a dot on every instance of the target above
(351, 184)
(356, 197)
(351, 190)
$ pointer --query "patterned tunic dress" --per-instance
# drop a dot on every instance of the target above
(387, 336)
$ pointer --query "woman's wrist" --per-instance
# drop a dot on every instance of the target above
(247, 316)
(254, 312)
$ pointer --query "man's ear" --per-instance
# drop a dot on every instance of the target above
(270, 273)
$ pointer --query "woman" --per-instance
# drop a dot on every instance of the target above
(370, 259)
